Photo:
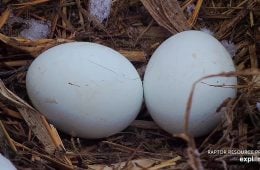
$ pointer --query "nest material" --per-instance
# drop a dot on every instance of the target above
(135, 28)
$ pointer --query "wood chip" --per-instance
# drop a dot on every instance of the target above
(133, 165)
(17, 63)
(139, 56)
(139, 164)
(253, 57)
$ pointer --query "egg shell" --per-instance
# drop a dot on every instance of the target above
(173, 68)
(5, 164)
(85, 89)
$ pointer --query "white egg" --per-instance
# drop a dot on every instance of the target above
(85, 89)
(173, 68)
(5, 164)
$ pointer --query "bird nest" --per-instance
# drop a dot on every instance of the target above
(135, 28)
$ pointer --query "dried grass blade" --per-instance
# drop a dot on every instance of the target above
(168, 14)
(26, 4)
(228, 25)
(31, 116)
(32, 47)
(8, 138)
(175, 15)
(4, 17)
(193, 19)
(57, 162)
(33, 119)
(253, 56)
(10, 112)
(166, 164)
(193, 154)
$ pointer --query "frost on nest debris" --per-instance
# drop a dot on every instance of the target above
(100, 9)
(258, 106)
(34, 29)
(190, 9)
(208, 31)
(230, 46)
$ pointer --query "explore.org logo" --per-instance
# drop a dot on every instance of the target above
(246, 156)
(249, 159)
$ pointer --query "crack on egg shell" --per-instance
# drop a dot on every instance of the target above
(103, 67)
(73, 84)
(123, 75)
